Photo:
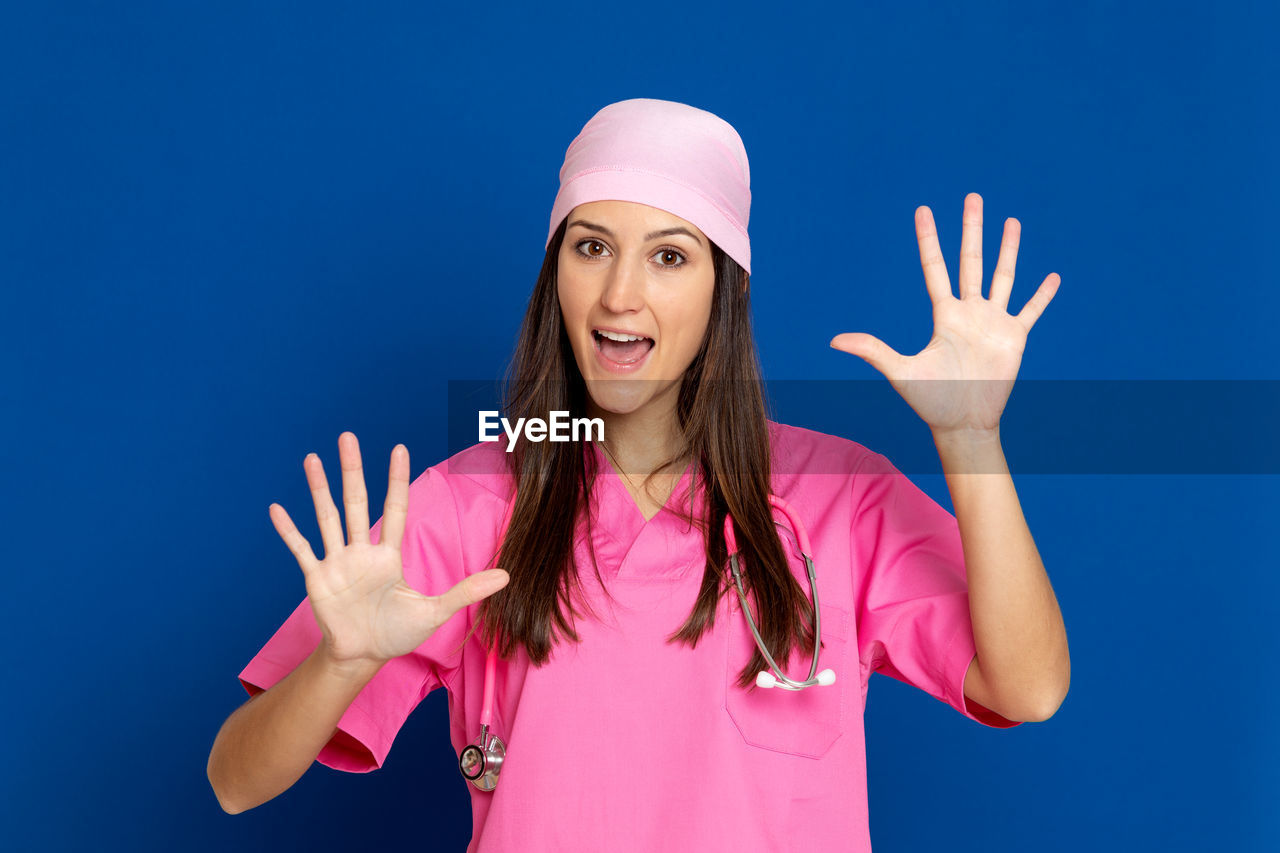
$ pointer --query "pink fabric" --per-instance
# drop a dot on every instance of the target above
(704, 762)
(668, 155)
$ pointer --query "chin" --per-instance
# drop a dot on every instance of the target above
(620, 396)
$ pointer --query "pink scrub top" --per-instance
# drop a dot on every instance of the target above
(693, 761)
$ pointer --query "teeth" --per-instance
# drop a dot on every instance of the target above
(614, 336)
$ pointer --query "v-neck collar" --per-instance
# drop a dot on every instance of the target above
(628, 541)
(676, 501)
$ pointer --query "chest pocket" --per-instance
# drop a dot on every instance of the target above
(802, 722)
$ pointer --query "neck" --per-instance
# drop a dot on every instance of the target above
(638, 442)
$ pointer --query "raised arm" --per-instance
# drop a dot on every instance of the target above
(959, 384)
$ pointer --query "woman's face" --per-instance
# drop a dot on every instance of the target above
(628, 270)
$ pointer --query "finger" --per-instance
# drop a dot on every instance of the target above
(468, 591)
(971, 248)
(355, 499)
(936, 280)
(396, 508)
(1002, 278)
(297, 543)
(1037, 303)
(326, 511)
(870, 349)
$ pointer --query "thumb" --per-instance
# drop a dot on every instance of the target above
(486, 583)
(869, 348)
(473, 588)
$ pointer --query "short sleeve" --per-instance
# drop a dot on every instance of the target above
(913, 619)
(432, 556)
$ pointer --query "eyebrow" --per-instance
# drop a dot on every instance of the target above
(679, 229)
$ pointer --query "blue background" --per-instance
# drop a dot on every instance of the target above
(228, 232)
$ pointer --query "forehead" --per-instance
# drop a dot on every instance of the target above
(630, 219)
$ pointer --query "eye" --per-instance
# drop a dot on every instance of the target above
(588, 254)
(667, 250)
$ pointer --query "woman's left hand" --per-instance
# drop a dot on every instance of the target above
(976, 343)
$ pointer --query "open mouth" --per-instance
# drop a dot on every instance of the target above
(621, 348)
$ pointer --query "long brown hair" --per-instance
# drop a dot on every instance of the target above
(721, 413)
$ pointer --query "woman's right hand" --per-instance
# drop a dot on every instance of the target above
(366, 611)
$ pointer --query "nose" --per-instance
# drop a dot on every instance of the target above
(624, 287)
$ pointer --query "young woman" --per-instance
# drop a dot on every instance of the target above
(608, 685)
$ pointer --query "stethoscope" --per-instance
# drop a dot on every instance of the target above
(481, 760)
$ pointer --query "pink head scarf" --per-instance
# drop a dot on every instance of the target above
(668, 155)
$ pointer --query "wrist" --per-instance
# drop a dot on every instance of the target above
(351, 669)
(967, 435)
(970, 451)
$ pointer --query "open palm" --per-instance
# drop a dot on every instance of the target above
(970, 363)
(365, 609)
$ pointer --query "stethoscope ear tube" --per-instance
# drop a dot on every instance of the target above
(778, 678)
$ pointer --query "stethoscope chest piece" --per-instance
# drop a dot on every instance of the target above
(481, 760)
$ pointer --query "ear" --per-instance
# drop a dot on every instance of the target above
(746, 282)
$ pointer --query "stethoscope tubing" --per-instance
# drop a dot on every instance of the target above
(491, 661)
